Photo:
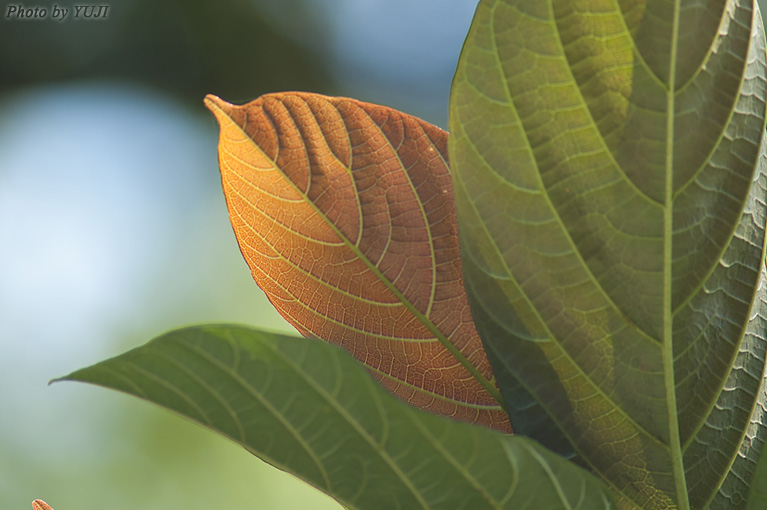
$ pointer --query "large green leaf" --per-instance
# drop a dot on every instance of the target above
(309, 408)
(757, 497)
(610, 180)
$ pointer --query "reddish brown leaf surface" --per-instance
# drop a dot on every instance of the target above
(344, 212)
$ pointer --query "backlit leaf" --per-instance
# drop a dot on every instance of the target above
(611, 192)
(310, 409)
(344, 212)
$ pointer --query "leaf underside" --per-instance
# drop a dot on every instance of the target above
(610, 180)
(345, 215)
(307, 407)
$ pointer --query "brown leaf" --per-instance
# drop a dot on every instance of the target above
(39, 504)
(344, 212)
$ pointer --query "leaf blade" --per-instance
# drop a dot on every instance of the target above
(355, 201)
(757, 493)
(594, 209)
(310, 409)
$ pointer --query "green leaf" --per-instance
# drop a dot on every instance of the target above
(610, 180)
(307, 407)
(757, 499)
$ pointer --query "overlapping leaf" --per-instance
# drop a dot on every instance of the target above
(611, 198)
(309, 408)
(344, 212)
(757, 495)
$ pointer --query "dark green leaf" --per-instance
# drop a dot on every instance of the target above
(611, 199)
(308, 408)
(757, 499)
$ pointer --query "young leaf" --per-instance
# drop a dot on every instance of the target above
(308, 408)
(344, 212)
(611, 194)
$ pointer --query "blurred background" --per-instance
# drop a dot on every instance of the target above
(113, 228)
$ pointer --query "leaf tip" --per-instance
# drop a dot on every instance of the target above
(72, 377)
(217, 106)
(39, 504)
(211, 101)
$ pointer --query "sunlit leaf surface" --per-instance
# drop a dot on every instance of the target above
(611, 197)
(344, 212)
(307, 407)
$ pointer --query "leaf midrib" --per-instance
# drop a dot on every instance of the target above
(667, 347)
